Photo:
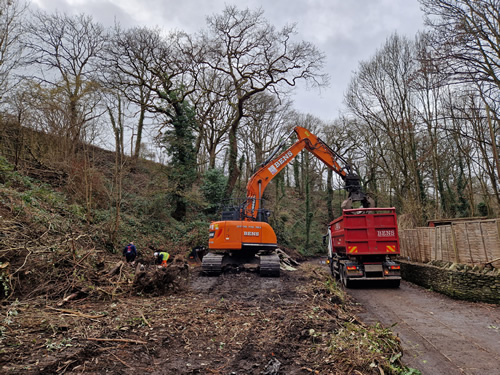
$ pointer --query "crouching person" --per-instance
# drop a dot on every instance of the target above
(161, 258)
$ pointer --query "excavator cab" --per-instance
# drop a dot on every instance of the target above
(238, 212)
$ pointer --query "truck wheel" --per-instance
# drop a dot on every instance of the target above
(342, 274)
(332, 269)
(343, 278)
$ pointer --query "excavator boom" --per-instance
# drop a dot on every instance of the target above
(274, 164)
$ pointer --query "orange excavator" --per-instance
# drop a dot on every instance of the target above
(243, 235)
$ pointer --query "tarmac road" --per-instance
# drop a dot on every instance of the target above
(440, 336)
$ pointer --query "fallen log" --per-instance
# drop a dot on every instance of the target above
(116, 269)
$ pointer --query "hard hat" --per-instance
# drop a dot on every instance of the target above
(155, 254)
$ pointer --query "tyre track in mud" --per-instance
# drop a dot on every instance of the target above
(439, 335)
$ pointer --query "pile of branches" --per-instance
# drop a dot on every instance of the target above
(67, 267)
(39, 262)
(156, 280)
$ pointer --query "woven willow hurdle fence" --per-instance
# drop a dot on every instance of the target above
(470, 242)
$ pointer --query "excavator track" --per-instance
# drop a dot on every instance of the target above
(212, 264)
(270, 265)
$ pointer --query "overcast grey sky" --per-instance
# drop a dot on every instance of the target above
(347, 31)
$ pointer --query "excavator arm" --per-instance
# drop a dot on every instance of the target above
(274, 164)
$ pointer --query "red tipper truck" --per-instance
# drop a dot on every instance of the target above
(362, 246)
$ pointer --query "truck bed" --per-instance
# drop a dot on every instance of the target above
(360, 232)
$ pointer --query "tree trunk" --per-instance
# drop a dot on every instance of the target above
(309, 214)
(234, 171)
(233, 161)
(296, 174)
(118, 173)
(494, 148)
(138, 140)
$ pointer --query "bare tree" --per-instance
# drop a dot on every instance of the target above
(11, 14)
(465, 35)
(470, 130)
(251, 57)
(380, 96)
(65, 51)
(266, 123)
(128, 67)
(214, 115)
(117, 122)
(430, 86)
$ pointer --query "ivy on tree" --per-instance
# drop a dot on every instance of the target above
(179, 142)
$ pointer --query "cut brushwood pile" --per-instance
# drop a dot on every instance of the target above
(286, 262)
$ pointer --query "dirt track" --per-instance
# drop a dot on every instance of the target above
(440, 335)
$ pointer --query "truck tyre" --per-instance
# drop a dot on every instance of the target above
(343, 277)
(332, 269)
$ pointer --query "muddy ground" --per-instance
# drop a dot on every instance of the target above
(240, 323)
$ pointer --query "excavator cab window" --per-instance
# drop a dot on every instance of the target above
(236, 211)
(231, 210)
(263, 215)
(230, 215)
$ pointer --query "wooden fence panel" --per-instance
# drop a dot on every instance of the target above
(416, 244)
(407, 240)
(462, 244)
(446, 243)
(436, 244)
(478, 241)
(427, 236)
(471, 242)
(491, 238)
